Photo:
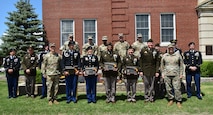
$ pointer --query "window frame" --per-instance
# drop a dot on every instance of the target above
(174, 29)
(96, 30)
(73, 28)
(149, 25)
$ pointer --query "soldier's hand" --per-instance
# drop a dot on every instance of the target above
(28, 71)
(77, 73)
(85, 73)
(156, 74)
(115, 69)
(66, 73)
(181, 76)
(10, 71)
(44, 76)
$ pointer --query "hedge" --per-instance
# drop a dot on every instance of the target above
(207, 69)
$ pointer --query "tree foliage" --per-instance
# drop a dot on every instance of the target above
(24, 29)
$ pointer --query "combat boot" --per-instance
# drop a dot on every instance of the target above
(170, 103)
(50, 103)
(179, 105)
(56, 102)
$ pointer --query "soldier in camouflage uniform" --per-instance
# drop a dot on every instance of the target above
(103, 46)
(90, 43)
(110, 76)
(149, 63)
(138, 45)
(172, 72)
(131, 79)
(121, 47)
(70, 39)
(51, 69)
(29, 64)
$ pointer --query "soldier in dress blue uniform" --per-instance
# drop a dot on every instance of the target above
(90, 67)
(193, 60)
(71, 67)
(12, 65)
(44, 80)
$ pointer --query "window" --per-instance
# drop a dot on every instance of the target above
(143, 26)
(167, 27)
(67, 27)
(90, 29)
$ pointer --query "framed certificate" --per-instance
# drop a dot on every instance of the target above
(110, 66)
(90, 70)
(131, 70)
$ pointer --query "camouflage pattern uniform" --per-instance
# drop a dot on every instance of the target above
(138, 46)
(30, 61)
(172, 69)
(121, 48)
(52, 70)
(66, 47)
(94, 47)
(110, 75)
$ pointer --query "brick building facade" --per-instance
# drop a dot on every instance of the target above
(161, 20)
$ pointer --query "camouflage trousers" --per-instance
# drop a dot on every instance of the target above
(52, 87)
(173, 87)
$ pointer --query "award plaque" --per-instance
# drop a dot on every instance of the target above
(131, 70)
(110, 66)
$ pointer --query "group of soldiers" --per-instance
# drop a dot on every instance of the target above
(127, 62)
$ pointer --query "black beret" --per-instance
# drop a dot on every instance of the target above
(89, 48)
(173, 41)
(12, 49)
(149, 40)
(71, 43)
(191, 43)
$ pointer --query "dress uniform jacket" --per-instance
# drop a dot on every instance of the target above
(130, 61)
(112, 56)
(30, 62)
(12, 63)
(149, 61)
(71, 58)
(192, 58)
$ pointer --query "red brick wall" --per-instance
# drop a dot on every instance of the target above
(118, 16)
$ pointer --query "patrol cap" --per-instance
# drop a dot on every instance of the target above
(89, 48)
(171, 46)
(12, 49)
(70, 35)
(52, 44)
(120, 35)
(149, 40)
(139, 35)
(104, 38)
(89, 37)
(173, 41)
(71, 43)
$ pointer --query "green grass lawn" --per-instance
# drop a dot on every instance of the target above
(27, 106)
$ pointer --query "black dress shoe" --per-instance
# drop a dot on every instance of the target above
(199, 97)
(42, 97)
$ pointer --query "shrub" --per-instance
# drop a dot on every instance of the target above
(38, 76)
(207, 69)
